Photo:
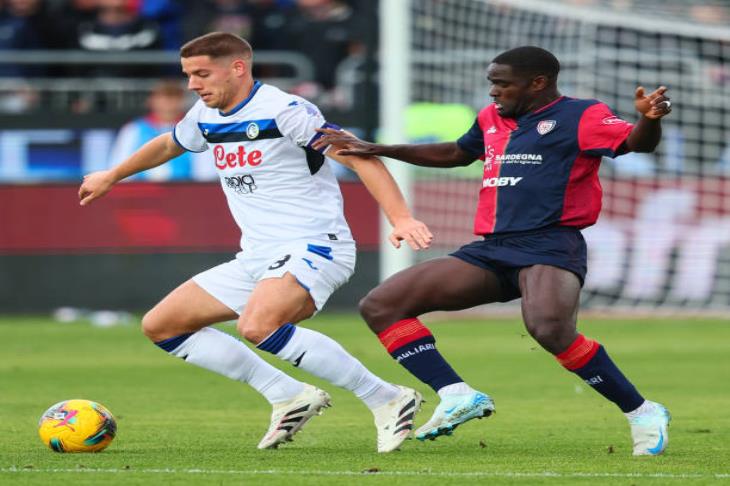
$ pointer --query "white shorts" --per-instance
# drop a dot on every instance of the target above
(319, 266)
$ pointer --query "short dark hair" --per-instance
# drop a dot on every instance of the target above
(217, 44)
(530, 61)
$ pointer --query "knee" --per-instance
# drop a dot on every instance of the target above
(251, 332)
(377, 312)
(153, 326)
(553, 332)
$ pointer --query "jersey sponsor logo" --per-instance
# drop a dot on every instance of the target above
(239, 158)
(501, 181)
(545, 126)
(612, 120)
(492, 129)
(519, 158)
(252, 130)
(523, 159)
(241, 184)
(488, 157)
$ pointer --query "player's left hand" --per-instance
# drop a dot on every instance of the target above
(655, 105)
(413, 232)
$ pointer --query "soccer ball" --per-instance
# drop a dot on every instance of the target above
(77, 426)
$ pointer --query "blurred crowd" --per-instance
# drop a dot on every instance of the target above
(325, 31)
(324, 35)
(702, 11)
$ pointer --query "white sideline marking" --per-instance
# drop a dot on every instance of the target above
(274, 472)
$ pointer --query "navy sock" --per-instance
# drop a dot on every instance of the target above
(278, 339)
(589, 360)
(171, 344)
(414, 347)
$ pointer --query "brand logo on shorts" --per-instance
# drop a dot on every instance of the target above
(545, 126)
(501, 181)
(241, 184)
(252, 131)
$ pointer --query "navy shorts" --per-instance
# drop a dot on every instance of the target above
(506, 254)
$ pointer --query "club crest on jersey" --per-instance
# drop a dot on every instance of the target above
(545, 126)
(252, 130)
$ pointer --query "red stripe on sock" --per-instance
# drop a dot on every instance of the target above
(402, 333)
(579, 353)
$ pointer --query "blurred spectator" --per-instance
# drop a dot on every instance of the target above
(709, 14)
(168, 15)
(166, 105)
(19, 100)
(23, 25)
(327, 32)
(118, 27)
(234, 16)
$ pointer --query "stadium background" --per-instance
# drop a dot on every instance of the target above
(661, 247)
(662, 243)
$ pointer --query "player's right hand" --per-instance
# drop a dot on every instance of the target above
(344, 143)
(413, 232)
(95, 185)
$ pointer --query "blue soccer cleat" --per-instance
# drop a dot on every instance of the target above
(650, 431)
(453, 411)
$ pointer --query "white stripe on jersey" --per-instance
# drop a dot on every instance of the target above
(278, 188)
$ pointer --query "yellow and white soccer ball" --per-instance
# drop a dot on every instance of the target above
(77, 426)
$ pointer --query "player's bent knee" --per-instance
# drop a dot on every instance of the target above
(153, 327)
(553, 334)
(377, 311)
(253, 333)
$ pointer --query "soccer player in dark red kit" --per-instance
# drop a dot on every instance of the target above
(541, 154)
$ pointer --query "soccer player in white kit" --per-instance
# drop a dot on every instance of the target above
(296, 246)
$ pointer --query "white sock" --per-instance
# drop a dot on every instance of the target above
(324, 358)
(645, 407)
(460, 388)
(222, 353)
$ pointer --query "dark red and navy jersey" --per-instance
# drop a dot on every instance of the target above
(541, 169)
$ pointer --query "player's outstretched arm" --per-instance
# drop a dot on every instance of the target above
(425, 155)
(647, 131)
(155, 152)
(382, 186)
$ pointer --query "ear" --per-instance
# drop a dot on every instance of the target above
(239, 67)
(539, 82)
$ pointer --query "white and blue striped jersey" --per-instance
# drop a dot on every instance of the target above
(278, 188)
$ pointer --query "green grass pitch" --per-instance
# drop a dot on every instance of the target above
(179, 424)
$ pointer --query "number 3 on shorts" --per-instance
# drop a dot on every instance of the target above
(279, 263)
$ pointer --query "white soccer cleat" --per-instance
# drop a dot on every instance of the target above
(289, 417)
(650, 431)
(453, 411)
(394, 420)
